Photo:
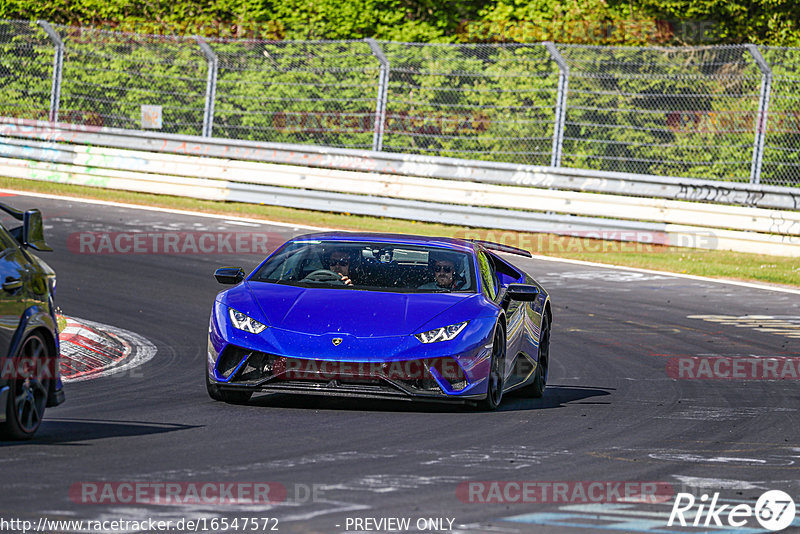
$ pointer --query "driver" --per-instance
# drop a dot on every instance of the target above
(339, 262)
(443, 267)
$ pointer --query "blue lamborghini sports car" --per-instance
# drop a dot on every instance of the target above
(379, 315)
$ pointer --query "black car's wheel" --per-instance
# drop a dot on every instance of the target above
(27, 397)
(536, 389)
(494, 392)
(231, 397)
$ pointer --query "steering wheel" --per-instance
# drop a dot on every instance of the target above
(323, 275)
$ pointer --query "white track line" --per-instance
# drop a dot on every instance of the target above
(143, 349)
(166, 210)
(666, 273)
(322, 228)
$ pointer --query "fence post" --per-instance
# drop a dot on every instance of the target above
(211, 86)
(58, 64)
(561, 103)
(383, 92)
(761, 118)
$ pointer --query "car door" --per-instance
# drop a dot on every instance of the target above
(523, 319)
(515, 315)
(13, 293)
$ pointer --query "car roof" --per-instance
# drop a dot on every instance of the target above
(451, 243)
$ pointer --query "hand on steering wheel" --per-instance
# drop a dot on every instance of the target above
(327, 276)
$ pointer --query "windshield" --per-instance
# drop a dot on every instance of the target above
(369, 266)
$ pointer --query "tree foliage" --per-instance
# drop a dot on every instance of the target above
(775, 22)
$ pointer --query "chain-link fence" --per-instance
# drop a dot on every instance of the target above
(665, 111)
(493, 102)
(321, 92)
(108, 77)
(781, 161)
(26, 70)
(726, 112)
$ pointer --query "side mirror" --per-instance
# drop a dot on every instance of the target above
(33, 231)
(229, 275)
(522, 292)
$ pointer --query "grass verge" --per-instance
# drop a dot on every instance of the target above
(712, 263)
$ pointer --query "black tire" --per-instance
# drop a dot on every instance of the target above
(537, 387)
(231, 397)
(27, 398)
(494, 392)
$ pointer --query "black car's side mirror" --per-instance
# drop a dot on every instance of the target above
(229, 275)
(33, 231)
(522, 292)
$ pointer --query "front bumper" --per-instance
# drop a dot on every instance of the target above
(361, 391)
(57, 397)
(433, 379)
(5, 391)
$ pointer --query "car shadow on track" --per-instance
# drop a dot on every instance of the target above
(75, 431)
(554, 397)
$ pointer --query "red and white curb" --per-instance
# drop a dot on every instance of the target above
(92, 350)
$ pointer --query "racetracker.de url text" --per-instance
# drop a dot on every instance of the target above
(145, 524)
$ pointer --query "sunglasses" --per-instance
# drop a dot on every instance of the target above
(443, 268)
(344, 262)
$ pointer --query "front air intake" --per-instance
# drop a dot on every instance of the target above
(229, 360)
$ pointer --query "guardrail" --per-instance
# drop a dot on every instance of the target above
(467, 193)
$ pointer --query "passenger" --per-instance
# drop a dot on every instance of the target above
(443, 268)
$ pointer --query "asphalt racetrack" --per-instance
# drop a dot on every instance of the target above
(615, 411)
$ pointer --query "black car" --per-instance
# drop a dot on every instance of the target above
(29, 350)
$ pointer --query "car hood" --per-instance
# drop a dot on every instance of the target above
(359, 313)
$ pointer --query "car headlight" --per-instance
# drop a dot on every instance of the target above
(245, 322)
(445, 333)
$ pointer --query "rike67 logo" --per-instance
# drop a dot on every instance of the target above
(774, 511)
